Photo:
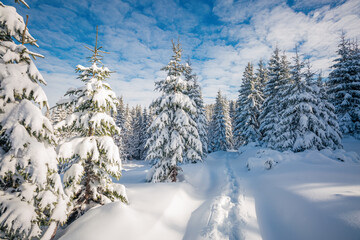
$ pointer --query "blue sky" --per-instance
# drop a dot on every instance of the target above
(220, 37)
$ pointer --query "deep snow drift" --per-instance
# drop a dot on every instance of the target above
(256, 193)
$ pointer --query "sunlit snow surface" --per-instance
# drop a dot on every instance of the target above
(233, 195)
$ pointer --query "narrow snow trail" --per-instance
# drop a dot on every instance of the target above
(219, 215)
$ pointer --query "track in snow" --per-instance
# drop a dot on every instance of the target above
(224, 221)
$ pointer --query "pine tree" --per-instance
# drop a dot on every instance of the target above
(232, 113)
(261, 78)
(300, 126)
(344, 87)
(59, 114)
(249, 102)
(120, 120)
(173, 133)
(145, 124)
(31, 194)
(279, 76)
(127, 127)
(135, 138)
(221, 137)
(328, 116)
(93, 154)
(194, 92)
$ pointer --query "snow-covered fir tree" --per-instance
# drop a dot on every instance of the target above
(232, 112)
(300, 126)
(136, 135)
(344, 87)
(279, 76)
(93, 155)
(261, 79)
(249, 102)
(173, 133)
(195, 94)
(127, 132)
(220, 126)
(120, 120)
(328, 116)
(145, 124)
(58, 114)
(32, 200)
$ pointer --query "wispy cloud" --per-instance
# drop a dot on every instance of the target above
(220, 37)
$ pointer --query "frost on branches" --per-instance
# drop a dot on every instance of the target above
(32, 201)
(93, 157)
(173, 133)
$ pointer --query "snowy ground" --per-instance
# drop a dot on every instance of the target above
(309, 195)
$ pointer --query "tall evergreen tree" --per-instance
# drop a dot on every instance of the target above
(173, 133)
(232, 111)
(136, 136)
(249, 104)
(194, 92)
(93, 154)
(261, 79)
(221, 137)
(300, 126)
(279, 76)
(145, 124)
(120, 120)
(32, 201)
(344, 87)
(127, 133)
(328, 116)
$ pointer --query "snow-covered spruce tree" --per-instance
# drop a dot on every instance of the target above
(119, 120)
(194, 92)
(173, 133)
(328, 116)
(249, 102)
(221, 137)
(136, 135)
(58, 114)
(93, 155)
(300, 126)
(32, 200)
(145, 124)
(232, 109)
(127, 132)
(344, 87)
(279, 76)
(261, 79)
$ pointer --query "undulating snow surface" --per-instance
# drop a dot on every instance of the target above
(256, 193)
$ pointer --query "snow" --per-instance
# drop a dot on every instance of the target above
(236, 195)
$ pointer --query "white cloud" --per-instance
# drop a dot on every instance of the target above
(137, 34)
